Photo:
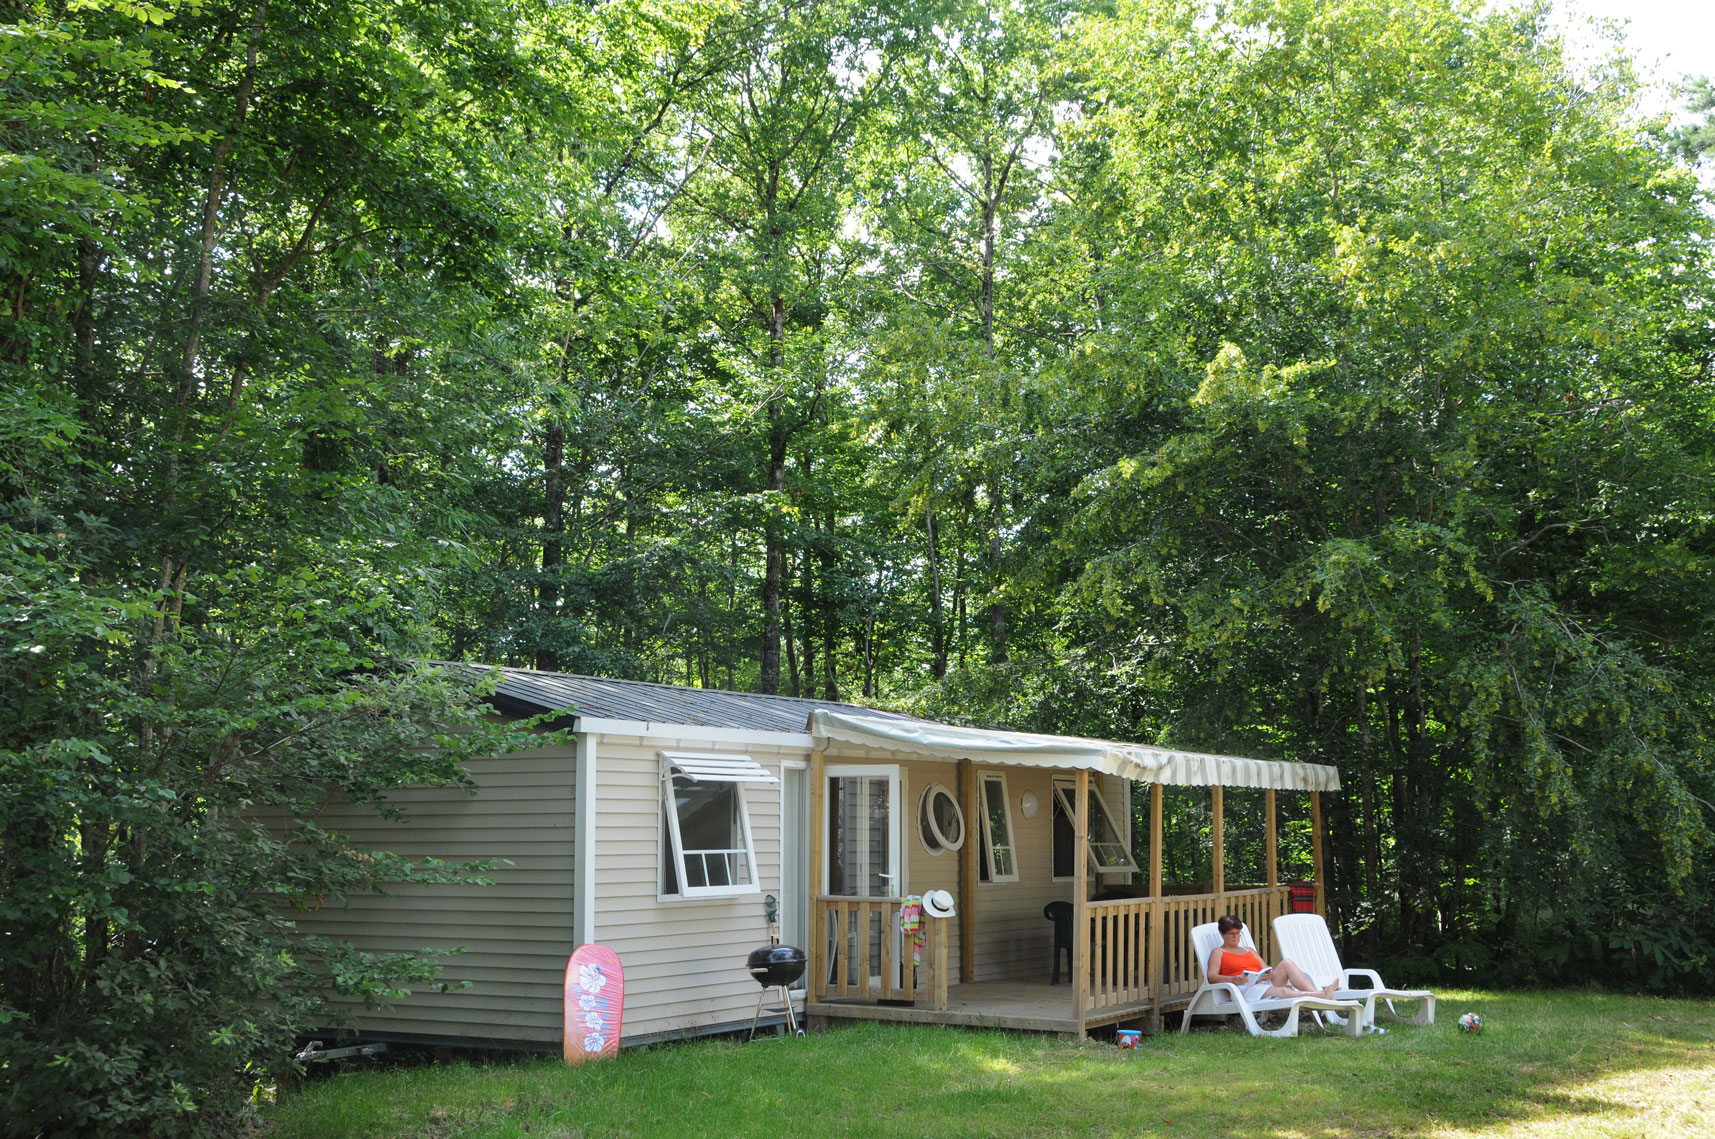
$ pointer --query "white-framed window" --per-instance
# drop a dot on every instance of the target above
(1000, 857)
(706, 848)
(1109, 851)
(940, 820)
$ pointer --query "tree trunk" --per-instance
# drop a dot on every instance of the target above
(214, 195)
(732, 599)
(959, 597)
(1418, 873)
(777, 437)
(89, 258)
(869, 659)
(787, 634)
(807, 608)
(997, 495)
(174, 564)
(830, 619)
(937, 623)
(1367, 781)
(553, 536)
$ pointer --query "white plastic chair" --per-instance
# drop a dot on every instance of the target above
(1224, 998)
(1306, 940)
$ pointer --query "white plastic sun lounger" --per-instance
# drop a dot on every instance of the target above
(1224, 998)
(1306, 940)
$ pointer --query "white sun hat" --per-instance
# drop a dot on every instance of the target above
(938, 904)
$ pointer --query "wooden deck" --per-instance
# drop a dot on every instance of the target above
(1134, 961)
(1021, 1005)
(1131, 955)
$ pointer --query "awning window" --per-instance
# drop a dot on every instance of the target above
(709, 768)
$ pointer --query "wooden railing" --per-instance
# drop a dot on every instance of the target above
(1135, 940)
(1140, 948)
(864, 954)
(1119, 938)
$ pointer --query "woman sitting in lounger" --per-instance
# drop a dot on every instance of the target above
(1231, 962)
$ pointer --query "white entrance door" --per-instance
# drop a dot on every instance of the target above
(862, 856)
(862, 849)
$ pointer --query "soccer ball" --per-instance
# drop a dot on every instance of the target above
(1471, 1023)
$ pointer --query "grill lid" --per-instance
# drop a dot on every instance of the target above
(776, 964)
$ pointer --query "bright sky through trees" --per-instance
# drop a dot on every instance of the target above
(1671, 38)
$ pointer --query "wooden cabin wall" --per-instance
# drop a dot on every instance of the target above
(1014, 942)
(925, 871)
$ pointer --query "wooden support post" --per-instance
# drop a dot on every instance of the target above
(1155, 908)
(1081, 900)
(1271, 902)
(817, 926)
(1316, 851)
(941, 932)
(1269, 839)
(1155, 840)
(968, 876)
(1218, 883)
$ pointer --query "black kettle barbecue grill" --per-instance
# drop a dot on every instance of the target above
(776, 966)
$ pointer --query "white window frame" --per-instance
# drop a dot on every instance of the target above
(794, 860)
(1065, 794)
(672, 845)
(984, 778)
(928, 815)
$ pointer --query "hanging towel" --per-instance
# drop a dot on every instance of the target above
(911, 922)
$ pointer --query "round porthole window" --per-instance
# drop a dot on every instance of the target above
(940, 822)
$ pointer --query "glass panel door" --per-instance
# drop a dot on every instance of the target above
(863, 832)
(862, 858)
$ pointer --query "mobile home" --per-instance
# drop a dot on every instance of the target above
(661, 830)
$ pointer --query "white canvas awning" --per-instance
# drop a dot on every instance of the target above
(704, 768)
(1023, 749)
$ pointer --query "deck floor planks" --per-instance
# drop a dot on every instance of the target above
(1023, 1005)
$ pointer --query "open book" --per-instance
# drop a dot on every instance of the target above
(1251, 976)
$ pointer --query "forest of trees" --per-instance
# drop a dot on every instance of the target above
(1327, 380)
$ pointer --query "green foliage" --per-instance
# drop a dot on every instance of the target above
(224, 505)
(1693, 140)
(1415, 541)
(1318, 380)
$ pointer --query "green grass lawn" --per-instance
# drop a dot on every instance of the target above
(1547, 1066)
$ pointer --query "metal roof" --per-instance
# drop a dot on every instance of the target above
(525, 691)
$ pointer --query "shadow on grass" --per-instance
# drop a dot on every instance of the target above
(1534, 1062)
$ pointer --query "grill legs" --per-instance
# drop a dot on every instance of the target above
(785, 999)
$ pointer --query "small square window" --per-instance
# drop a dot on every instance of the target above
(1000, 856)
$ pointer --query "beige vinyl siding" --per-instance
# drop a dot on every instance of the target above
(516, 934)
(683, 959)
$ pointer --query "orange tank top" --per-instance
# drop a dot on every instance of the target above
(1233, 964)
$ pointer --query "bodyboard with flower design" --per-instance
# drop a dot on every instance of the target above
(595, 1003)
